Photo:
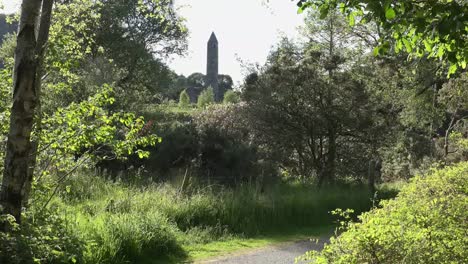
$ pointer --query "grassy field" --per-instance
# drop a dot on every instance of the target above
(118, 223)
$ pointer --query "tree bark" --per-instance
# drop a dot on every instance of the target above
(43, 36)
(447, 136)
(331, 155)
(25, 100)
(371, 176)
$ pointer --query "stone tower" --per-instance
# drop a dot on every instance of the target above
(212, 68)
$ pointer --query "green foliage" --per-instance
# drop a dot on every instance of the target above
(426, 223)
(178, 149)
(88, 126)
(5, 103)
(120, 223)
(311, 108)
(91, 220)
(197, 82)
(89, 47)
(152, 25)
(454, 94)
(231, 97)
(71, 40)
(118, 235)
(437, 29)
(7, 51)
(213, 144)
(137, 36)
(206, 97)
(7, 26)
(226, 151)
(184, 99)
(43, 237)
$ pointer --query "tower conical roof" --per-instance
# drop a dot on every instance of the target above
(213, 38)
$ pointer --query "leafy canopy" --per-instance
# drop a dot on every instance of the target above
(437, 28)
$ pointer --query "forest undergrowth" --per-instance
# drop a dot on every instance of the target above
(100, 221)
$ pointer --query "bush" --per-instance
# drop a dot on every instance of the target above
(231, 97)
(184, 99)
(212, 143)
(178, 148)
(226, 152)
(206, 97)
(426, 223)
(42, 238)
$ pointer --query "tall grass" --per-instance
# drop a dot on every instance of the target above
(119, 222)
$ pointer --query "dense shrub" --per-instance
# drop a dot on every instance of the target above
(227, 152)
(42, 237)
(178, 148)
(426, 223)
(206, 97)
(225, 159)
(213, 143)
(184, 99)
(231, 97)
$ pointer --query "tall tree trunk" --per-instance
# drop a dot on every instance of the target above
(321, 176)
(43, 36)
(447, 136)
(331, 155)
(371, 176)
(25, 100)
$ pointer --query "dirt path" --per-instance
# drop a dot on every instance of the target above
(278, 254)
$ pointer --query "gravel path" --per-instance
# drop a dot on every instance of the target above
(279, 254)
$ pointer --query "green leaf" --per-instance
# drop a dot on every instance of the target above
(440, 51)
(408, 46)
(300, 10)
(452, 69)
(324, 11)
(376, 51)
(342, 7)
(390, 13)
(303, 6)
(427, 46)
(352, 20)
(398, 46)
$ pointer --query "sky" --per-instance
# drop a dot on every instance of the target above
(246, 31)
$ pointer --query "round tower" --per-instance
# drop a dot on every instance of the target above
(212, 68)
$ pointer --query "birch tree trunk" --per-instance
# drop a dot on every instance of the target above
(43, 36)
(25, 100)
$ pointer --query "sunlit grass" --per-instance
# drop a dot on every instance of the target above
(120, 222)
